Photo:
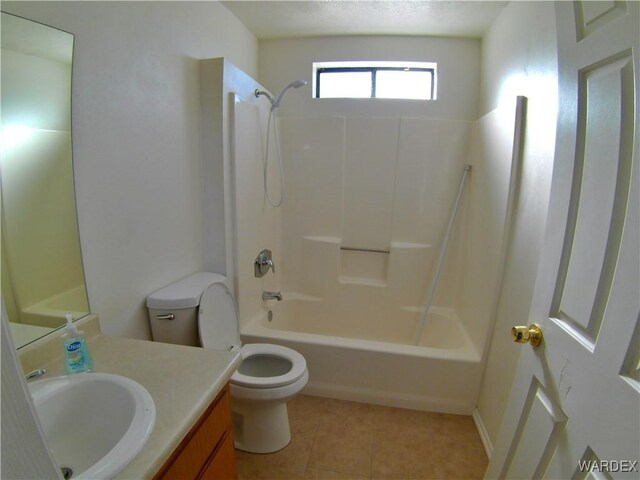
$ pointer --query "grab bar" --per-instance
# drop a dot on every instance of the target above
(372, 250)
(443, 253)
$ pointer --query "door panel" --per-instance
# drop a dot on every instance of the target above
(598, 198)
(541, 422)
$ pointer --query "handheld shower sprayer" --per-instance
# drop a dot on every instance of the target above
(295, 84)
(275, 104)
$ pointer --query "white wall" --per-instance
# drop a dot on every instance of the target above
(519, 58)
(479, 249)
(136, 133)
(233, 114)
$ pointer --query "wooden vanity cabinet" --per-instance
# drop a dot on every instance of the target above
(207, 450)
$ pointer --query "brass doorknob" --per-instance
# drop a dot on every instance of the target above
(531, 334)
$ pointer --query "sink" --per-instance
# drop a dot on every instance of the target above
(94, 423)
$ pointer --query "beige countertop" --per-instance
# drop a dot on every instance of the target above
(183, 381)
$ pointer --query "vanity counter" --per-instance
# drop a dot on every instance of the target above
(183, 382)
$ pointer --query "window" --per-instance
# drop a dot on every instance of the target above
(406, 80)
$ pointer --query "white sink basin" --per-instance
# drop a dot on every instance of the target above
(94, 423)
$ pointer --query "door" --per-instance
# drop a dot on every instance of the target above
(575, 405)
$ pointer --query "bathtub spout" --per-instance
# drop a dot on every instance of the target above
(272, 296)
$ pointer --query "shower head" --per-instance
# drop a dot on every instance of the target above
(295, 84)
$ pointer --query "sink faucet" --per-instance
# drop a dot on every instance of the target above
(272, 296)
(35, 374)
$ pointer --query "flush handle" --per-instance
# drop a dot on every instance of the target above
(531, 335)
(166, 316)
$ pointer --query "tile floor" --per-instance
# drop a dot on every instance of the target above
(335, 439)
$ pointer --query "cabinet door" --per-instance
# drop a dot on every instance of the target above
(222, 465)
(197, 449)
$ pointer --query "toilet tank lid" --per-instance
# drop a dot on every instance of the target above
(184, 293)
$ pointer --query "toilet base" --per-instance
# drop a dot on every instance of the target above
(260, 427)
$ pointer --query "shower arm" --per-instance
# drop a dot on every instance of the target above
(275, 103)
(258, 93)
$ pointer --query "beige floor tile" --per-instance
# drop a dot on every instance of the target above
(461, 461)
(314, 474)
(340, 449)
(306, 414)
(349, 417)
(399, 422)
(288, 463)
(336, 439)
(403, 459)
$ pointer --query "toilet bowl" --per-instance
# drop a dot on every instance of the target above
(267, 378)
(200, 310)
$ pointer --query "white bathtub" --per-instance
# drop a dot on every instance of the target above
(372, 359)
(50, 312)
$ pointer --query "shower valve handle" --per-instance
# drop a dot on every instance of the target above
(263, 263)
(268, 264)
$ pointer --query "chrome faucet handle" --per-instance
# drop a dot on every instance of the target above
(35, 373)
(263, 263)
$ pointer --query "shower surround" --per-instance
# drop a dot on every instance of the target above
(355, 244)
(370, 185)
(368, 200)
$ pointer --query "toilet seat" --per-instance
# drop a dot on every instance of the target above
(297, 370)
(218, 329)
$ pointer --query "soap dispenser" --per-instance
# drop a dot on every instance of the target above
(77, 358)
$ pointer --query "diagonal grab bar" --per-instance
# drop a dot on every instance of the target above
(443, 253)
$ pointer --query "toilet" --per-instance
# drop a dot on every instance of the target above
(199, 310)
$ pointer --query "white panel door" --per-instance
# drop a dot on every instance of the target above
(574, 411)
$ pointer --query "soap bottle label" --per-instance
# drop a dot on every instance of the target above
(77, 358)
(73, 357)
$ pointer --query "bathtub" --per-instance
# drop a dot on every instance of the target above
(371, 358)
(50, 312)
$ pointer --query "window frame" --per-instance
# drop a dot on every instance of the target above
(373, 69)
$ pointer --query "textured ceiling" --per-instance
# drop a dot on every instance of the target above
(282, 19)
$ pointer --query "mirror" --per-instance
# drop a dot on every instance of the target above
(42, 275)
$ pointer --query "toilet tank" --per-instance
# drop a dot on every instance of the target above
(173, 310)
